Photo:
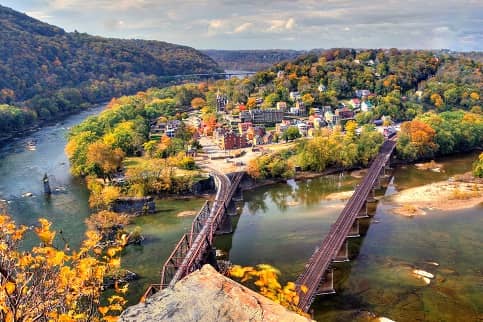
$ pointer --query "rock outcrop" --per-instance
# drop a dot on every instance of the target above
(206, 295)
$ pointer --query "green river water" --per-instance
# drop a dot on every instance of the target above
(281, 225)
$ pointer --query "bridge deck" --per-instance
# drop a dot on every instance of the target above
(327, 252)
(190, 252)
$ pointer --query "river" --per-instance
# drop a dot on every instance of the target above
(281, 225)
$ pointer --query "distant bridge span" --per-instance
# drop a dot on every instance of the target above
(226, 74)
(317, 275)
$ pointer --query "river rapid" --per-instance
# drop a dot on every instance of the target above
(281, 225)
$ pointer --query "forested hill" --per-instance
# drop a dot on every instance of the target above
(251, 60)
(52, 71)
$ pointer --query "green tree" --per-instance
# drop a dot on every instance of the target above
(478, 167)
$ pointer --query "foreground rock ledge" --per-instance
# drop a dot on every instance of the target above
(206, 295)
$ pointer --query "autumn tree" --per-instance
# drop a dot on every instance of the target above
(108, 224)
(47, 283)
(308, 100)
(150, 147)
(437, 100)
(104, 159)
(198, 102)
(101, 196)
(265, 278)
(251, 103)
(416, 140)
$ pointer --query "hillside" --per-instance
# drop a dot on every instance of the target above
(251, 60)
(53, 72)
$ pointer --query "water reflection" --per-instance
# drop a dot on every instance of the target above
(282, 224)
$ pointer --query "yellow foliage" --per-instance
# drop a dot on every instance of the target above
(265, 277)
(49, 284)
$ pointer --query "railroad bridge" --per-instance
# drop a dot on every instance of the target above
(195, 248)
(317, 276)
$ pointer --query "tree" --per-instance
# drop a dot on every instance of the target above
(108, 224)
(198, 102)
(291, 133)
(150, 147)
(251, 103)
(478, 167)
(416, 140)
(46, 283)
(437, 100)
(308, 100)
(270, 100)
(266, 279)
(101, 196)
(350, 130)
(105, 159)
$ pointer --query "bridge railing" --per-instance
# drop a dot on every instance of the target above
(199, 221)
(191, 250)
(174, 261)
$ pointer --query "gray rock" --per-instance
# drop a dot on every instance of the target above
(206, 295)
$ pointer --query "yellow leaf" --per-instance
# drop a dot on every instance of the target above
(304, 288)
(103, 309)
(10, 287)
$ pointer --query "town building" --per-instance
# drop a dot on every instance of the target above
(221, 101)
(362, 92)
(344, 114)
(282, 106)
(366, 106)
(243, 127)
(258, 116)
(229, 140)
(355, 103)
(168, 128)
(294, 96)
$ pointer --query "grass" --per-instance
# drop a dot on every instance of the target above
(134, 162)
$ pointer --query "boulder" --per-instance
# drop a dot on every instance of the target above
(206, 295)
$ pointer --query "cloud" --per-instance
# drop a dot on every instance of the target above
(279, 25)
(215, 24)
(243, 27)
(290, 24)
(268, 24)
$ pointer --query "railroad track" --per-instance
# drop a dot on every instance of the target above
(324, 255)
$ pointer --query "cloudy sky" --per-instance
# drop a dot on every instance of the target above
(261, 24)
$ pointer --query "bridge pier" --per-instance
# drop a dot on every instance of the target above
(211, 259)
(326, 286)
(354, 232)
(364, 212)
(343, 254)
(238, 195)
(372, 197)
(225, 226)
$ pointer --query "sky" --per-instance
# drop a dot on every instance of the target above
(283, 24)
